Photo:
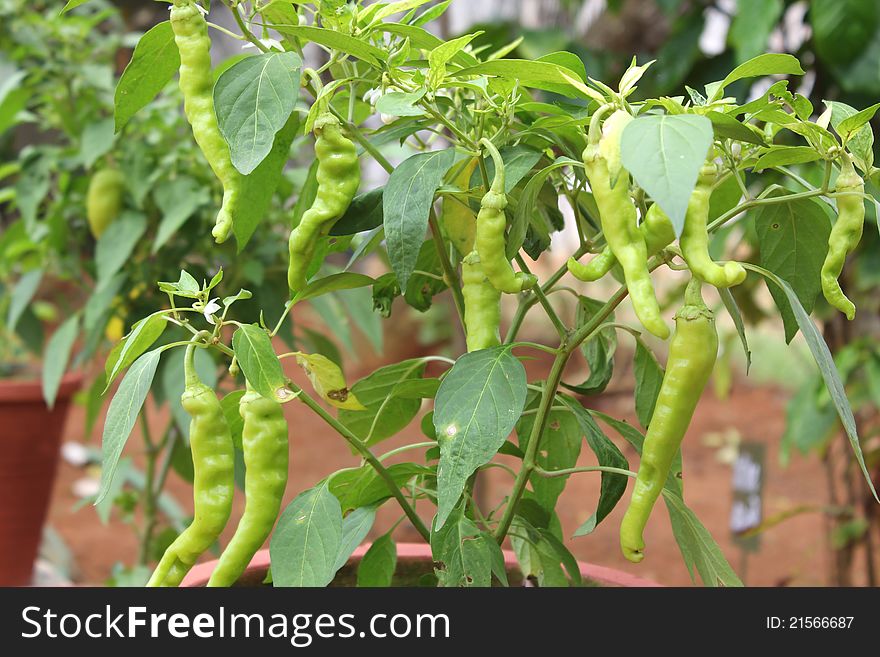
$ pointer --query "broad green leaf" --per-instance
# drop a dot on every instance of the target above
(377, 565)
(336, 40)
(253, 100)
(117, 244)
(518, 161)
(332, 283)
(793, 240)
(751, 27)
(697, 546)
(649, 376)
(726, 126)
(854, 123)
(154, 62)
(528, 73)
(397, 103)
(476, 408)
(358, 487)
(762, 65)
(122, 414)
(229, 404)
(526, 206)
(96, 140)
(861, 142)
(32, 187)
(442, 54)
(463, 553)
(364, 213)
(664, 154)
(826, 367)
(778, 156)
(258, 362)
(612, 485)
(407, 201)
(560, 446)
(305, 544)
(21, 296)
(355, 527)
(258, 188)
(177, 201)
(424, 40)
(808, 424)
(384, 417)
(72, 4)
(56, 357)
(537, 556)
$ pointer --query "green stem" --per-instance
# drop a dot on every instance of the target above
(544, 301)
(359, 137)
(587, 468)
(406, 448)
(370, 458)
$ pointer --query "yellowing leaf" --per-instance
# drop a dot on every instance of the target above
(328, 381)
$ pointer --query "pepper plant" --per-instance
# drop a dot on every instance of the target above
(501, 153)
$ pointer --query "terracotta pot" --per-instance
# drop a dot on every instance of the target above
(414, 559)
(29, 440)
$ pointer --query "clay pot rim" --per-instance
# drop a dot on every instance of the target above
(603, 575)
(29, 390)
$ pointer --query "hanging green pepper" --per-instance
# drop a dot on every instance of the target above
(213, 465)
(265, 448)
(104, 199)
(618, 217)
(692, 354)
(482, 305)
(456, 217)
(196, 83)
(694, 239)
(490, 242)
(657, 231)
(845, 235)
(338, 179)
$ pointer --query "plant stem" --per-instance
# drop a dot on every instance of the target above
(449, 272)
(545, 303)
(587, 468)
(370, 458)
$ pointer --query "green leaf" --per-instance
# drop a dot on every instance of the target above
(72, 4)
(613, 485)
(598, 351)
(407, 201)
(253, 100)
(464, 553)
(861, 142)
(664, 154)
(778, 156)
(154, 62)
(122, 414)
(384, 417)
(258, 188)
(537, 556)
(727, 127)
(397, 103)
(766, 64)
(534, 74)
(697, 546)
(843, 29)
(229, 404)
(518, 161)
(333, 283)
(355, 527)
(808, 424)
(525, 208)
(99, 302)
(335, 40)
(751, 27)
(359, 487)
(364, 213)
(733, 310)
(793, 240)
(649, 376)
(96, 140)
(173, 383)
(56, 357)
(476, 408)
(377, 566)
(443, 54)
(117, 244)
(177, 201)
(258, 361)
(21, 296)
(826, 367)
(306, 541)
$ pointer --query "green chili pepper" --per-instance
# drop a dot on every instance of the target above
(104, 199)
(657, 231)
(490, 242)
(618, 217)
(338, 179)
(213, 466)
(482, 305)
(456, 217)
(692, 354)
(694, 239)
(265, 448)
(196, 83)
(845, 235)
